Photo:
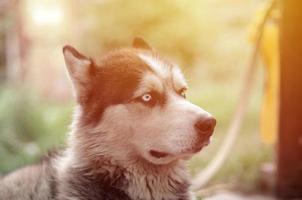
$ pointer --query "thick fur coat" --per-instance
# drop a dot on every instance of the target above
(131, 134)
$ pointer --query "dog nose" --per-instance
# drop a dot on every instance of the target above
(205, 125)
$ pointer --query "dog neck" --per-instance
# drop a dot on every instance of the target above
(137, 180)
(158, 182)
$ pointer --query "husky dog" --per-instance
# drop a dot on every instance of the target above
(132, 131)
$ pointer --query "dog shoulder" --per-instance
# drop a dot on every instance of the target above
(31, 182)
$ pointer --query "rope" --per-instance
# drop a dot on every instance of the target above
(207, 174)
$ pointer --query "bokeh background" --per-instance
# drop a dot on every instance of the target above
(210, 39)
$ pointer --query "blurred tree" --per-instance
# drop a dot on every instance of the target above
(2, 41)
(171, 26)
(2, 54)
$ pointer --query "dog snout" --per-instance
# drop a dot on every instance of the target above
(205, 125)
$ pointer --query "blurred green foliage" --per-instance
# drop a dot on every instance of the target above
(208, 39)
(28, 127)
(3, 23)
(171, 26)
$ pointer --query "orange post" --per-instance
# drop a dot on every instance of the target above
(289, 164)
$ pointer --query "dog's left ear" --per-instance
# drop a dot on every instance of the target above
(140, 43)
(79, 68)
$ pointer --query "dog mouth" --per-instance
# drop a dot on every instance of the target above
(158, 154)
(192, 150)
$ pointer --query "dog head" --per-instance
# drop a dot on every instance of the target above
(132, 105)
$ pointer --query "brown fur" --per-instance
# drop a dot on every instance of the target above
(122, 146)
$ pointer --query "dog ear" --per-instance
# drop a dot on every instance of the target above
(140, 43)
(78, 67)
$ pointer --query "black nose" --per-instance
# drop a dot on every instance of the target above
(205, 125)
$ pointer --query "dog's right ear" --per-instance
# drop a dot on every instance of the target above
(79, 68)
(140, 43)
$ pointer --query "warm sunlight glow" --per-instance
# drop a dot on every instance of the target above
(47, 15)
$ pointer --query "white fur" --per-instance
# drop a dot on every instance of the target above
(156, 64)
(127, 133)
(139, 129)
(149, 82)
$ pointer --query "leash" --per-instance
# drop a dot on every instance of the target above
(215, 165)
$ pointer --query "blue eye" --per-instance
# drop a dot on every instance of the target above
(146, 97)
